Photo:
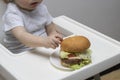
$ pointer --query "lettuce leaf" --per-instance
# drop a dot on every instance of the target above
(82, 64)
(64, 54)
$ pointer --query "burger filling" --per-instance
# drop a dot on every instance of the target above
(76, 60)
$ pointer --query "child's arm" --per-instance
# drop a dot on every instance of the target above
(51, 29)
(54, 33)
(31, 40)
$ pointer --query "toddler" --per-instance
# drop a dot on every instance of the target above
(25, 21)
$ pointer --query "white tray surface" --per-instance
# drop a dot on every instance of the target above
(34, 65)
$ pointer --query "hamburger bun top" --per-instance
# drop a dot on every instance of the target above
(75, 44)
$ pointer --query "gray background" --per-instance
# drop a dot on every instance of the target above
(101, 15)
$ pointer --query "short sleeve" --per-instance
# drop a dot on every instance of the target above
(48, 16)
(12, 20)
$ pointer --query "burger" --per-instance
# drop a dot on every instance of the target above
(75, 52)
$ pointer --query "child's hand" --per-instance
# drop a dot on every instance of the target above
(52, 41)
(54, 35)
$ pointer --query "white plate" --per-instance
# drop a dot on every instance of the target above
(55, 61)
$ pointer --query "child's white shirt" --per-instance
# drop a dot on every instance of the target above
(34, 22)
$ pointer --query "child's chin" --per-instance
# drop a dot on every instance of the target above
(31, 9)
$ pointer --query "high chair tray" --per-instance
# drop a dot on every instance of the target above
(35, 64)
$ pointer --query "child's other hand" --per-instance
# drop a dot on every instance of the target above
(52, 41)
(56, 39)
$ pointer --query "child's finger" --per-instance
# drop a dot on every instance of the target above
(54, 43)
(59, 36)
